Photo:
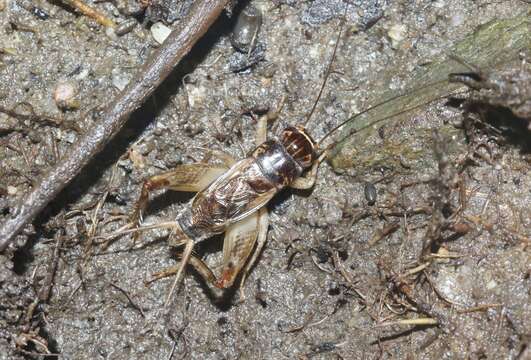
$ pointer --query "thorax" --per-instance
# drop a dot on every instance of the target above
(276, 164)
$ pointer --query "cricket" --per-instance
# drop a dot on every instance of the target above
(231, 198)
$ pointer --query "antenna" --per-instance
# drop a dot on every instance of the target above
(352, 118)
(327, 72)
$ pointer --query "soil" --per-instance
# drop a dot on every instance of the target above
(438, 267)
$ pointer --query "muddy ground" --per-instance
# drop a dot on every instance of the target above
(437, 267)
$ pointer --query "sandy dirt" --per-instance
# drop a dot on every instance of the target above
(438, 267)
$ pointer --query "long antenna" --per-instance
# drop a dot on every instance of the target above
(353, 131)
(327, 73)
(383, 103)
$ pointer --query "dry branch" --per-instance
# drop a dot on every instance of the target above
(157, 68)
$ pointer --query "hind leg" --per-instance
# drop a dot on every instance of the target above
(199, 266)
(189, 178)
(177, 269)
(187, 253)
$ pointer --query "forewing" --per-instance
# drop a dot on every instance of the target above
(193, 177)
(251, 204)
(238, 193)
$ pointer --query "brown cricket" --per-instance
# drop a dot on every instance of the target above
(232, 198)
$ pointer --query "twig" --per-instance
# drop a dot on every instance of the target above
(416, 322)
(31, 310)
(94, 219)
(298, 328)
(133, 304)
(158, 67)
(415, 270)
(90, 12)
(73, 293)
(175, 335)
(482, 307)
(341, 269)
(44, 293)
(379, 234)
(34, 353)
(319, 266)
(172, 350)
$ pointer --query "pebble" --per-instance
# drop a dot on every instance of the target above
(125, 27)
(370, 193)
(457, 19)
(492, 284)
(83, 74)
(160, 32)
(129, 7)
(120, 79)
(64, 96)
(396, 33)
(67, 136)
(111, 33)
(246, 29)
(332, 213)
(12, 190)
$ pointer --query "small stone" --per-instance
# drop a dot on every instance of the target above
(492, 284)
(396, 33)
(136, 158)
(120, 79)
(197, 95)
(129, 8)
(160, 32)
(246, 30)
(7, 122)
(64, 96)
(125, 27)
(67, 136)
(332, 214)
(370, 193)
(82, 74)
(12, 190)
(457, 19)
(111, 33)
